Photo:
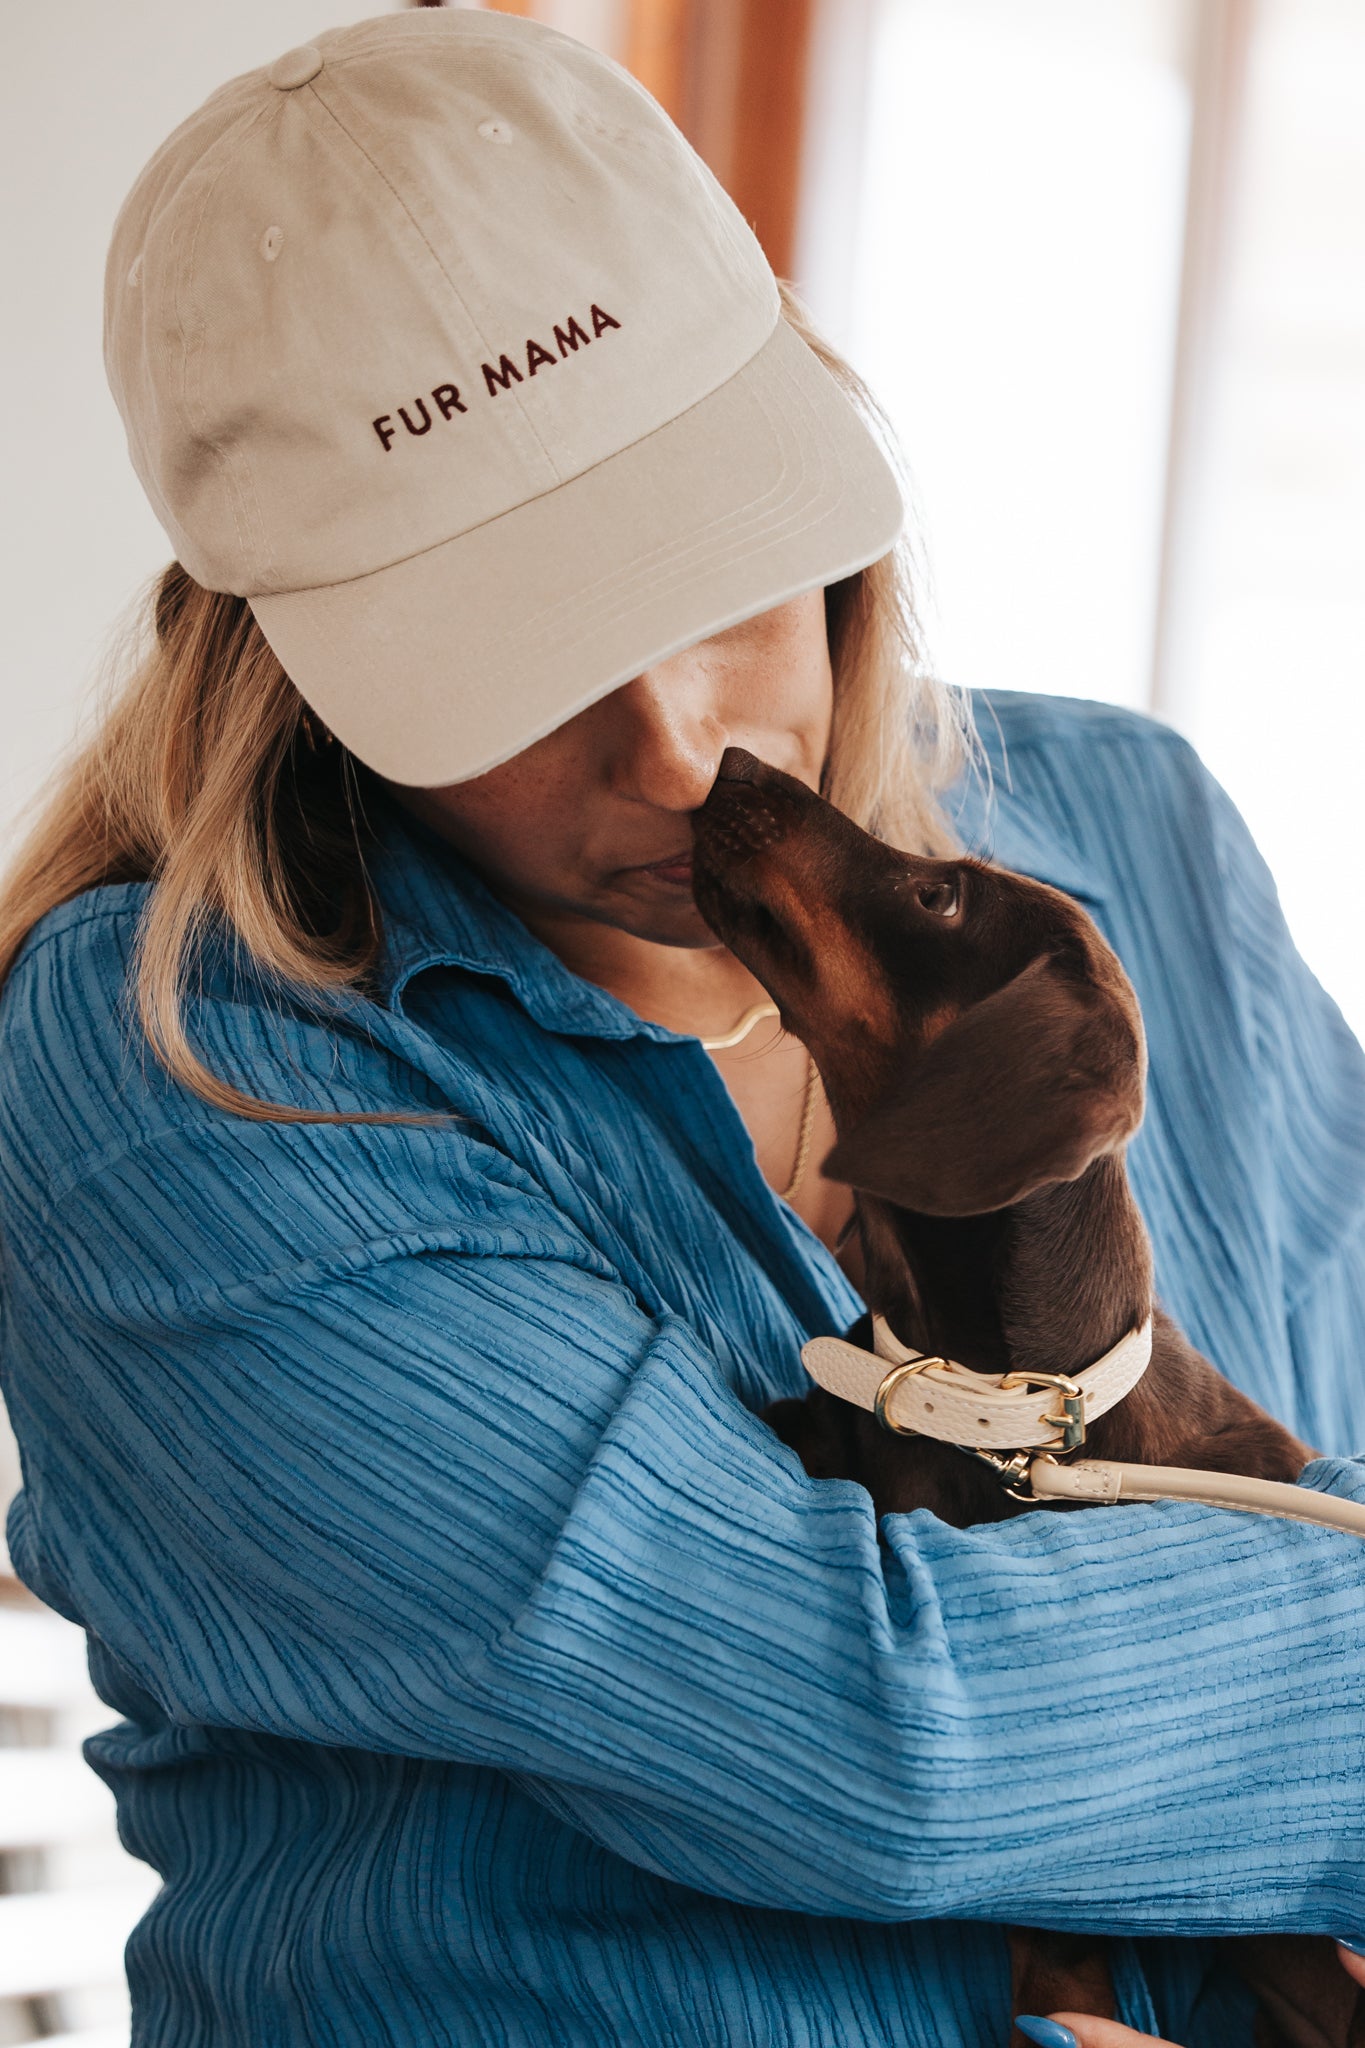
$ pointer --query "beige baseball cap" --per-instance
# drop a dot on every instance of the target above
(437, 342)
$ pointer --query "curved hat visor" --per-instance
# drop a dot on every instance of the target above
(439, 667)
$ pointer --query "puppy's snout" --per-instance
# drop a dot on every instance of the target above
(738, 821)
(750, 807)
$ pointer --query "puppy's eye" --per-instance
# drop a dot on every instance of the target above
(942, 898)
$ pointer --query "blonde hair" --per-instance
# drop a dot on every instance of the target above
(205, 777)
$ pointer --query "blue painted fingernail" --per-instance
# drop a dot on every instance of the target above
(1357, 1948)
(1047, 2033)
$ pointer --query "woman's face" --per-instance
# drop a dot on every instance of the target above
(593, 820)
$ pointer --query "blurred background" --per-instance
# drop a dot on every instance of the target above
(1104, 263)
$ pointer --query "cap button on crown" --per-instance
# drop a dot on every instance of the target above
(295, 68)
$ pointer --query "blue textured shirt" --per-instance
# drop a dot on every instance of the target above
(490, 1673)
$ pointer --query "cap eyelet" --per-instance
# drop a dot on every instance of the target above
(272, 241)
(493, 130)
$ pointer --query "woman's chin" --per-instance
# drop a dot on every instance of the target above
(677, 923)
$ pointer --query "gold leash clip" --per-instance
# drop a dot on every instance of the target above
(1015, 1473)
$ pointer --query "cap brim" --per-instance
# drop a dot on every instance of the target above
(439, 667)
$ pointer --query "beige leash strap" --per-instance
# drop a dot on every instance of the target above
(1098, 1482)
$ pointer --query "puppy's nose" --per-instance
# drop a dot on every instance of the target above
(738, 766)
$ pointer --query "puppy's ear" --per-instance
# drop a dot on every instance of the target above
(1024, 1088)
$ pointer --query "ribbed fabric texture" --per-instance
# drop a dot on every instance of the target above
(490, 1673)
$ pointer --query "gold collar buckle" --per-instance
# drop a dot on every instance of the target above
(1071, 1421)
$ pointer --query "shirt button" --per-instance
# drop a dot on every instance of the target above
(295, 68)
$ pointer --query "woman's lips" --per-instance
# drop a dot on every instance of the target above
(676, 870)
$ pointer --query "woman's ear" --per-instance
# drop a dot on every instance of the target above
(1023, 1089)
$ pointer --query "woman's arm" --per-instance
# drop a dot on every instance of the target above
(374, 1469)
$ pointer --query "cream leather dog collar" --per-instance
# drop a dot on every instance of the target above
(917, 1394)
(984, 1414)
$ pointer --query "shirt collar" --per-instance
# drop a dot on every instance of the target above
(438, 911)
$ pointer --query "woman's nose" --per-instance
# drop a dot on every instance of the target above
(669, 739)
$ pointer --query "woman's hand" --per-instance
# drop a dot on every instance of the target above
(1075, 2030)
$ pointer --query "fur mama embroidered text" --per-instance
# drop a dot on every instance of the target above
(446, 397)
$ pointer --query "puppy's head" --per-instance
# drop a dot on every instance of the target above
(977, 1038)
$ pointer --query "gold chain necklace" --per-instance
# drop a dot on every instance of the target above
(807, 1126)
(735, 1036)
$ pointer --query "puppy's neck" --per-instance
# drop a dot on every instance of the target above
(1048, 1285)
(1079, 1272)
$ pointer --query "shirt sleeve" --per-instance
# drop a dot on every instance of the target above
(331, 1449)
(1310, 1096)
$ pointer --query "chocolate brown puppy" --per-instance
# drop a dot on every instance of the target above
(983, 1056)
